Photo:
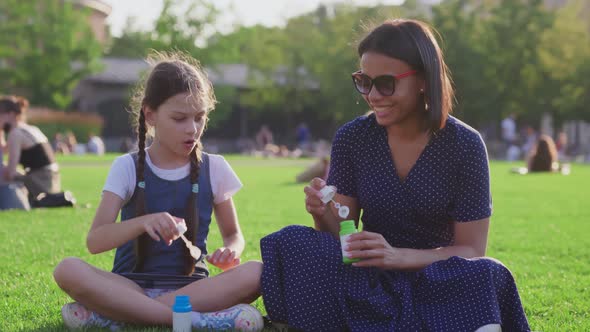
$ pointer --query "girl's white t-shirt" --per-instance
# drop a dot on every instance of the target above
(121, 180)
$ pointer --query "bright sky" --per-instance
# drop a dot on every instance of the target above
(251, 12)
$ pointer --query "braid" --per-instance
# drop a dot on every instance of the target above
(192, 207)
(140, 243)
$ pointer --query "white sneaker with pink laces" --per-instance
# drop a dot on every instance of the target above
(76, 316)
(241, 317)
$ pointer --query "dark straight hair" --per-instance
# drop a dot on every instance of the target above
(171, 74)
(13, 104)
(414, 43)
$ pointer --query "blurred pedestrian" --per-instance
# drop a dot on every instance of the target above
(95, 144)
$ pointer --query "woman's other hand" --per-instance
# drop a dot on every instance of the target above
(374, 251)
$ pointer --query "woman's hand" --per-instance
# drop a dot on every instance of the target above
(162, 226)
(374, 251)
(224, 258)
(313, 202)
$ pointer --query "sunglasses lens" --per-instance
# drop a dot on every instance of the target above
(362, 83)
(385, 85)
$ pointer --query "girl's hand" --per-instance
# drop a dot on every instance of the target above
(313, 203)
(162, 226)
(374, 251)
(224, 258)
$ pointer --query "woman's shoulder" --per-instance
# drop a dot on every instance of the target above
(359, 125)
(461, 133)
(32, 131)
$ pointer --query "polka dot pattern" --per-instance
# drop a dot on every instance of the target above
(305, 284)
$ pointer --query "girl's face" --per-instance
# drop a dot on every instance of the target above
(178, 123)
(400, 107)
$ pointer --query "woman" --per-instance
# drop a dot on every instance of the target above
(12, 195)
(421, 180)
(543, 157)
(28, 146)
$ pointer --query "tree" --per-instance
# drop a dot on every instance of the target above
(45, 49)
(492, 48)
(302, 71)
(513, 35)
(181, 25)
(461, 29)
(564, 52)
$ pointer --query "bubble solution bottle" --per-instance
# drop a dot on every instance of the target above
(181, 314)
(346, 229)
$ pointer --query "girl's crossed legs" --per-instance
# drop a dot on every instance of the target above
(121, 299)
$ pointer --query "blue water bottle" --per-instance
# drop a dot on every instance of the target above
(181, 314)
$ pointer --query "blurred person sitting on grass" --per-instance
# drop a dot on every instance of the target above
(95, 144)
(59, 144)
(264, 137)
(167, 183)
(543, 158)
(27, 146)
(13, 195)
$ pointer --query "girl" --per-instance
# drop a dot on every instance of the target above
(421, 179)
(28, 146)
(169, 183)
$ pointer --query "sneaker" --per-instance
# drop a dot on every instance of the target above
(77, 316)
(241, 317)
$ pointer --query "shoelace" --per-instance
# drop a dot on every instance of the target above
(99, 321)
(222, 320)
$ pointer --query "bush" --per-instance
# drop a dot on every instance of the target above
(51, 122)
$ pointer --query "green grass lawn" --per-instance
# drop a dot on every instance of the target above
(540, 229)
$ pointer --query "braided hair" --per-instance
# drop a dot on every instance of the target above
(172, 74)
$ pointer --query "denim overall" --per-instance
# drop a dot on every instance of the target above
(164, 265)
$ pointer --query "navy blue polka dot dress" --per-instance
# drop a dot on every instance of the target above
(305, 283)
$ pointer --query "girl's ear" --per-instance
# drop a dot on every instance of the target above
(150, 115)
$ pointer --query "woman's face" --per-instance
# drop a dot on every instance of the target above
(406, 100)
(6, 117)
(178, 123)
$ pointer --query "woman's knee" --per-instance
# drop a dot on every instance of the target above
(68, 272)
(497, 269)
(296, 231)
(285, 235)
(493, 264)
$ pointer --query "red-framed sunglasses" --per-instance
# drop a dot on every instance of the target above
(385, 84)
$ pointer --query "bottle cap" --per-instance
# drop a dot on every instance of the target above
(347, 227)
(182, 303)
(328, 193)
(181, 227)
(343, 211)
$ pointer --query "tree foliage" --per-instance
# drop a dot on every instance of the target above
(181, 25)
(45, 49)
